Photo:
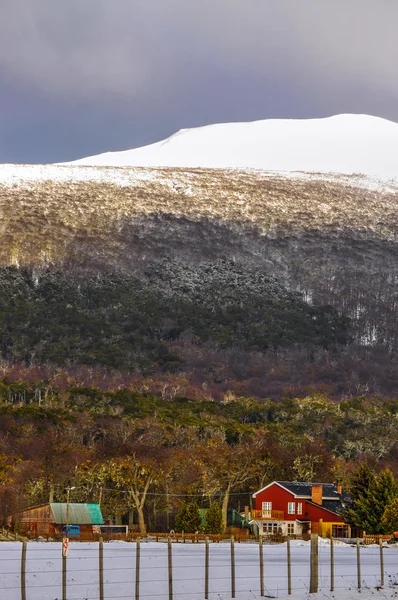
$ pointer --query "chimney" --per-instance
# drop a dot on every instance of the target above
(339, 489)
(316, 494)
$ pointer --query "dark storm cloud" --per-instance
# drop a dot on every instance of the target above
(139, 69)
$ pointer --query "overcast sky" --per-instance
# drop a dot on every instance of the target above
(80, 77)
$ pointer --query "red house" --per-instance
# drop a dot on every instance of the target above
(296, 508)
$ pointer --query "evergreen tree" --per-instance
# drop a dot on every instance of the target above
(381, 493)
(214, 522)
(390, 517)
(363, 479)
(188, 518)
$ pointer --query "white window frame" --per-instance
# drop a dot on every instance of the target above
(270, 528)
(299, 508)
(266, 506)
(290, 529)
(291, 508)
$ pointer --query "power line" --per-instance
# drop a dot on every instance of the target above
(203, 495)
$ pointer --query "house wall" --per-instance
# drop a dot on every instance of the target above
(326, 529)
(37, 520)
(86, 533)
(279, 498)
(316, 513)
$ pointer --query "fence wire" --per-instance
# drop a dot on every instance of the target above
(172, 571)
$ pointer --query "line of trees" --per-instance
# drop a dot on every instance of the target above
(145, 454)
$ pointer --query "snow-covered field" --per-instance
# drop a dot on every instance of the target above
(339, 144)
(44, 575)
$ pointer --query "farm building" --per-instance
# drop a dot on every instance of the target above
(50, 518)
(295, 508)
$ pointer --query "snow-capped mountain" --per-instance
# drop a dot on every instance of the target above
(346, 144)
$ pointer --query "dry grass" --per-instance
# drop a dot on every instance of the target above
(47, 220)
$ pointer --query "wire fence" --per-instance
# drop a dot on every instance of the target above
(144, 570)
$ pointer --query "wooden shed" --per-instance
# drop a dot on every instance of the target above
(50, 518)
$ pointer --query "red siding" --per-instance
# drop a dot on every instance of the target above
(279, 498)
(317, 512)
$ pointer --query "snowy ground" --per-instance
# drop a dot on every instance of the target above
(43, 578)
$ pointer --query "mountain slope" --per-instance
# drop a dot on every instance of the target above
(334, 239)
(245, 280)
(340, 144)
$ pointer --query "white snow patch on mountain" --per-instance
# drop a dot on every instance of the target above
(28, 176)
(347, 144)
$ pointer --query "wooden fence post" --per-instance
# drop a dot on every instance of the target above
(170, 561)
(101, 568)
(23, 571)
(63, 576)
(206, 568)
(359, 564)
(314, 564)
(381, 563)
(331, 565)
(232, 567)
(289, 568)
(137, 569)
(261, 553)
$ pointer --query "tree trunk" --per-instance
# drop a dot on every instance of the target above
(51, 497)
(131, 518)
(141, 519)
(139, 500)
(224, 508)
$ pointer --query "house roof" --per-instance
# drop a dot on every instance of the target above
(79, 514)
(333, 506)
(303, 489)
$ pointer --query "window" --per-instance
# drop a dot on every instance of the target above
(290, 529)
(267, 510)
(269, 528)
(340, 531)
(291, 508)
(299, 508)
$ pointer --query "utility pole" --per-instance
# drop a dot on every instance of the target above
(65, 542)
(68, 491)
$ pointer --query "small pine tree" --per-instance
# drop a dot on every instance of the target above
(188, 518)
(214, 522)
(390, 517)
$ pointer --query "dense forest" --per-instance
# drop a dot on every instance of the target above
(230, 330)
(146, 454)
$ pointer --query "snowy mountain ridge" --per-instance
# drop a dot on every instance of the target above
(346, 144)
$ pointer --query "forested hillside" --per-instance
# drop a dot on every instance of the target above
(128, 441)
(238, 281)
(197, 331)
